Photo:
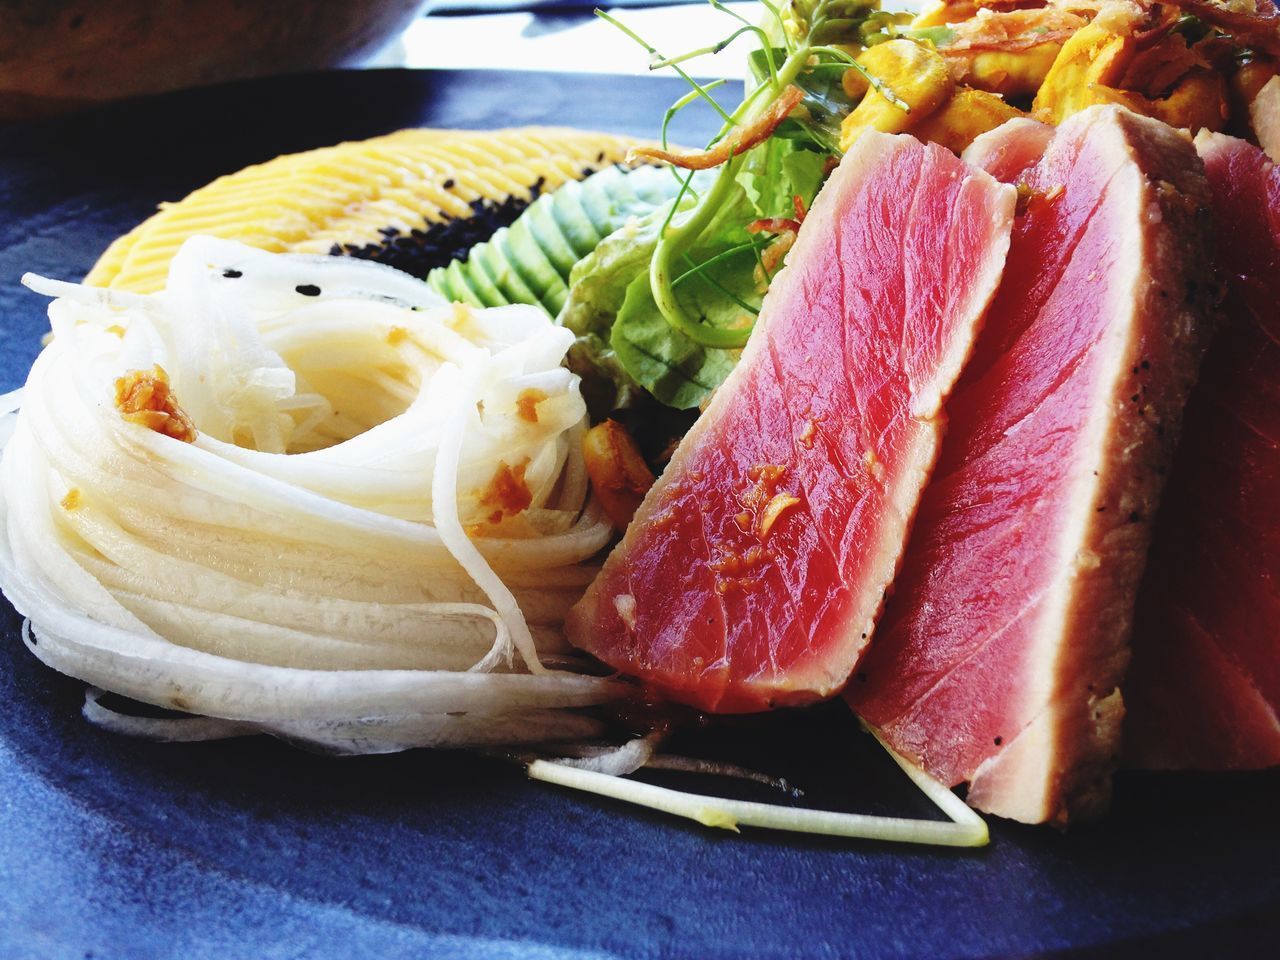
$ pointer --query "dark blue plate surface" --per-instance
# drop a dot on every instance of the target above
(115, 848)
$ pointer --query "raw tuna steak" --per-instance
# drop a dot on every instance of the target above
(1002, 649)
(755, 569)
(1204, 689)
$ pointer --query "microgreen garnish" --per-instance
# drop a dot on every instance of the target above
(670, 115)
(653, 53)
(803, 27)
(878, 85)
(698, 268)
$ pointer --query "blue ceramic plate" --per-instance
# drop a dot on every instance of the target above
(115, 848)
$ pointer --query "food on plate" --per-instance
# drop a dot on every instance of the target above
(916, 79)
(1203, 691)
(965, 116)
(753, 572)
(286, 490)
(1002, 649)
(1004, 51)
(1264, 114)
(530, 261)
(1192, 64)
(416, 199)
(303, 495)
(619, 475)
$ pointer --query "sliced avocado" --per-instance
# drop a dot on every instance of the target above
(655, 185)
(521, 250)
(479, 280)
(530, 261)
(598, 206)
(492, 258)
(546, 233)
(453, 284)
(574, 222)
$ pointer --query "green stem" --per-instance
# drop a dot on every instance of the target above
(776, 13)
(677, 240)
(674, 109)
(765, 44)
(697, 268)
(764, 271)
(701, 91)
(878, 85)
(711, 50)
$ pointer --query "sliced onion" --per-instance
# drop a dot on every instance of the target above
(328, 561)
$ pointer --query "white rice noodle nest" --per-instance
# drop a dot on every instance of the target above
(330, 560)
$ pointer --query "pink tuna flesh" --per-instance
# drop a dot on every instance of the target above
(1001, 652)
(754, 571)
(1010, 150)
(1204, 688)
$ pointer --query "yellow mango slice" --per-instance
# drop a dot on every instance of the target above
(914, 73)
(1094, 58)
(1009, 73)
(963, 118)
(347, 194)
(1198, 102)
(940, 12)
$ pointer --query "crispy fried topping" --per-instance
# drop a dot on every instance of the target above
(763, 502)
(618, 472)
(527, 404)
(1255, 24)
(737, 143)
(507, 491)
(143, 397)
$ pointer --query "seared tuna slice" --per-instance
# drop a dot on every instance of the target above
(755, 569)
(1204, 688)
(1001, 652)
(1011, 149)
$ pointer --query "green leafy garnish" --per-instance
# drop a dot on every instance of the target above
(672, 300)
(718, 280)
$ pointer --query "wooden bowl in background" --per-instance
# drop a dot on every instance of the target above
(61, 55)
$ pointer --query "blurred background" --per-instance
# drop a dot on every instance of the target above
(59, 56)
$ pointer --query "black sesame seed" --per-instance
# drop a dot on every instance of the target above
(308, 289)
(232, 274)
(449, 184)
(1146, 364)
(999, 740)
(423, 248)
